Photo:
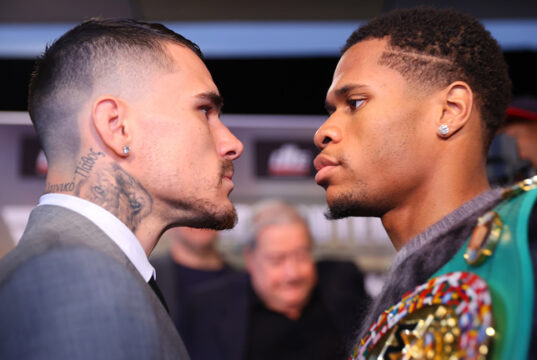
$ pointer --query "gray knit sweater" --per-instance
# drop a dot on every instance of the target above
(422, 256)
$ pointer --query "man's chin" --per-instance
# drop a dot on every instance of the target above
(205, 214)
(339, 206)
(353, 204)
(336, 213)
(295, 301)
(227, 221)
(219, 221)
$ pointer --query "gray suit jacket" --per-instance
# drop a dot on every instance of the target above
(68, 292)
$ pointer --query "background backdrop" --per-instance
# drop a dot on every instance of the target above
(273, 61)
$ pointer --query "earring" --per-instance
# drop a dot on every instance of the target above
(126, 150)
(443, 130)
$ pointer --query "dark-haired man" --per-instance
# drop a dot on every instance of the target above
(193, 260)
(128, 116)
(415, 100)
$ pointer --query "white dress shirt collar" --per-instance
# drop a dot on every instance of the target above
(110, 225)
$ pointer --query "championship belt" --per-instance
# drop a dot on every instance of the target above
(479, 305)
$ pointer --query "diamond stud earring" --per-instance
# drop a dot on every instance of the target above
(443, 129)
(126, 150)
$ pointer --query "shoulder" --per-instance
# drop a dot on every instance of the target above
(230, 282)
(224, 290)
(329, 266)
(66, 272)
(338, 273)
(65, 263)
(54, 297)
(341, 286)
(217, 310)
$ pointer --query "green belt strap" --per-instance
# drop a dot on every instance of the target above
(509, 275)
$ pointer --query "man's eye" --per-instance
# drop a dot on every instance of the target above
(206, 110)
(354, 104)
(275, 260)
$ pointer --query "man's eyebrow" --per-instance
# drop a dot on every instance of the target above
(344, 90)
(216, 100)
(329, 107)
(341, 93)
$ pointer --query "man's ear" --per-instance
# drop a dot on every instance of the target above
(457, 104)
(108, 116)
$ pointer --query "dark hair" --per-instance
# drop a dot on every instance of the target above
(436, 47)
(71, 66)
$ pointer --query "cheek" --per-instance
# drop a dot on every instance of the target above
(266, 277)
(164, 144)
(525, 147)
(275, 278)
(521, 141)
(203, 154)
(366, 143)
(308, 273)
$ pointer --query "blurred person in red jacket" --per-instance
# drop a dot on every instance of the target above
(521, 124)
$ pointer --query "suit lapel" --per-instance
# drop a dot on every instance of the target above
(169, 284)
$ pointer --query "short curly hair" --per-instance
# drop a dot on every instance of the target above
(436, 47)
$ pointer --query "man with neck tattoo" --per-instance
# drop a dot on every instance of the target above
(129, 118)
(415, 101)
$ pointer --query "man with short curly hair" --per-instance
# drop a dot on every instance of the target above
(414, 103)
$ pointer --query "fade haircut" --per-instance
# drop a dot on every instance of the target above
(93, 52)
(434, 48)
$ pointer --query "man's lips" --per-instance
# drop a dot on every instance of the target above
(227, 170)
(227, 177)
(323, 164)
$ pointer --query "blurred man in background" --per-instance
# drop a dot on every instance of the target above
(287, 308)
(192, 260)
(521, 124)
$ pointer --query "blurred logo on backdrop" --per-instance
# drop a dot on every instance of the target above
(284, 159)
(33, 162)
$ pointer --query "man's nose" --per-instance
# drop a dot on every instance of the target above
(329, 132)
(292, 268)
(228, 146)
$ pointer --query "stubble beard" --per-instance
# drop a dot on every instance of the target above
(209, 215)
(342, 207)
(356, 202)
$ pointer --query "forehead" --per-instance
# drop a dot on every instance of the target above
(360, 65)
(282, 237)
(189, 70)
(522, 127)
